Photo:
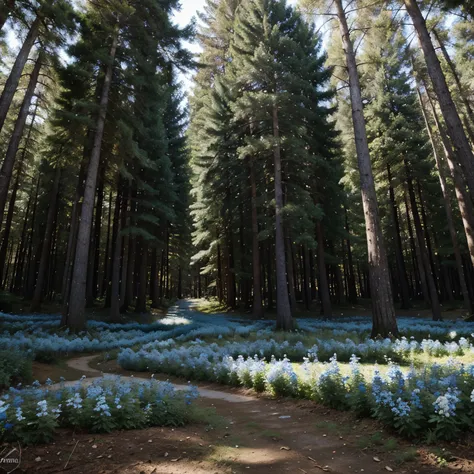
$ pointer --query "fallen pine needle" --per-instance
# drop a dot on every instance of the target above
(72, 452)
(325, 468)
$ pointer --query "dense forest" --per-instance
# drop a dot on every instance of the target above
(324, 156)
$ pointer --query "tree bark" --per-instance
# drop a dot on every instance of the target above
(115, 288)
(350, 265)
(425, 260)
(448, 109)
(142, 260)
(46, 245)
(11, 206)
(15, 74)
(257, 306)
(323, 276)
(449, 212)
(384, 322)
(7, 166)
(105, 275)
(284, 317)
(97, 233)
(402, 273)
(463, 197)
(457, 80)
(77, 300)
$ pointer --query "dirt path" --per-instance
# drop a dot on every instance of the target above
(244, 434)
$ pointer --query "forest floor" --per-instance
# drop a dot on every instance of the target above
(241, 433)
(362, 308)
(244, 433)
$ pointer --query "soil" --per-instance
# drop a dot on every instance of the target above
(246, 434)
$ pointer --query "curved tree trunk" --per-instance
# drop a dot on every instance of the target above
(448, 109)
(464, 199)
(449, 212)
(8, 163)
(15, 74)
(383, 311)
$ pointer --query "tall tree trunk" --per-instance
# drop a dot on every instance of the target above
(463, 197)
(449, 212)
(46, 245)
(418, 268)
(426, 233)
(306, 278)
(384, 322)
(448, 109)
(284, 317)
(105, 275)
(120, 210)
(425, 260)
(72, 234)
(219, 282)
(29, 253)
(462, 93)
(129, 270)
(291, 269)
(18, 279)
(77, 300)
(257, 306)
(350, 265)
(15, 137)
(10, 212)
(15, 74)
(97, 233)
(323, 276)
(115, 287)
(231, 292)
(154, 282)
(142, 274)
(402, 273)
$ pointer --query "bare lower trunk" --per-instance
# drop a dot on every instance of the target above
(46, 246)
(115, 287)
(142, 273)
(11, 84)
(77, 301)
(291, 270)
(402, 274)
(383, 317)
(284, 317)
(9, 161)
(449, 212)
(257, 306)
(350, 266)
(323, 277)
(425, 260)
(448, 109)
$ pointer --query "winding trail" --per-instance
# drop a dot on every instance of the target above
(82, 364)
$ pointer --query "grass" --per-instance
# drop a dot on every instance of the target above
(211, 306)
